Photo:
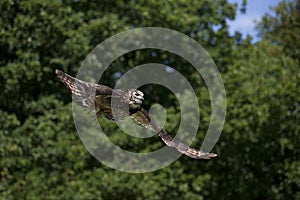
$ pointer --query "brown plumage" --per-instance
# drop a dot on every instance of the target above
(128, 102)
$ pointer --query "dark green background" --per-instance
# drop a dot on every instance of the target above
(42, 155)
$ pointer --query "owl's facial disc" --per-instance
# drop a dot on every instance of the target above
(136, 97)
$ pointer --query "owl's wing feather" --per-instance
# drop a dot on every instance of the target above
(145, 120)
(83, 91)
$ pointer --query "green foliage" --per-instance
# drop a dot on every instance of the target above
(261, 134)
(42, 155)
(284, 27)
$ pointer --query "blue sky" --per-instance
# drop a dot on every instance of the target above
(244, 23)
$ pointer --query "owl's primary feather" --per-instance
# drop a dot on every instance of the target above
(142, 117)
(82, 91)
(128, 102)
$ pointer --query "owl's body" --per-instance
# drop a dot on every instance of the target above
(117, 104)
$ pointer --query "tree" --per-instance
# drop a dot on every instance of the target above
(259, 146)
(283, 28)
(261, 134)
(41, 155)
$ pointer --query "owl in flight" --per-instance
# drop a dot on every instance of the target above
(125, 103)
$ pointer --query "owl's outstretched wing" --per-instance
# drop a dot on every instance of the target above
(145, 120)
(83, 91)
(99, 98)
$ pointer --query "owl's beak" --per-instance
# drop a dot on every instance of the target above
(141, 98)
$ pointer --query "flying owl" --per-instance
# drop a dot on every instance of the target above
(126, 103)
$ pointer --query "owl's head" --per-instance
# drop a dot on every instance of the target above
(136, 97)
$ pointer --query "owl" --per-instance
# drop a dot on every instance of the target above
(125, 103)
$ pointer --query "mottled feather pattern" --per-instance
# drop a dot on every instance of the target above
(81, 91)
(117, 104)
(143, 118)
